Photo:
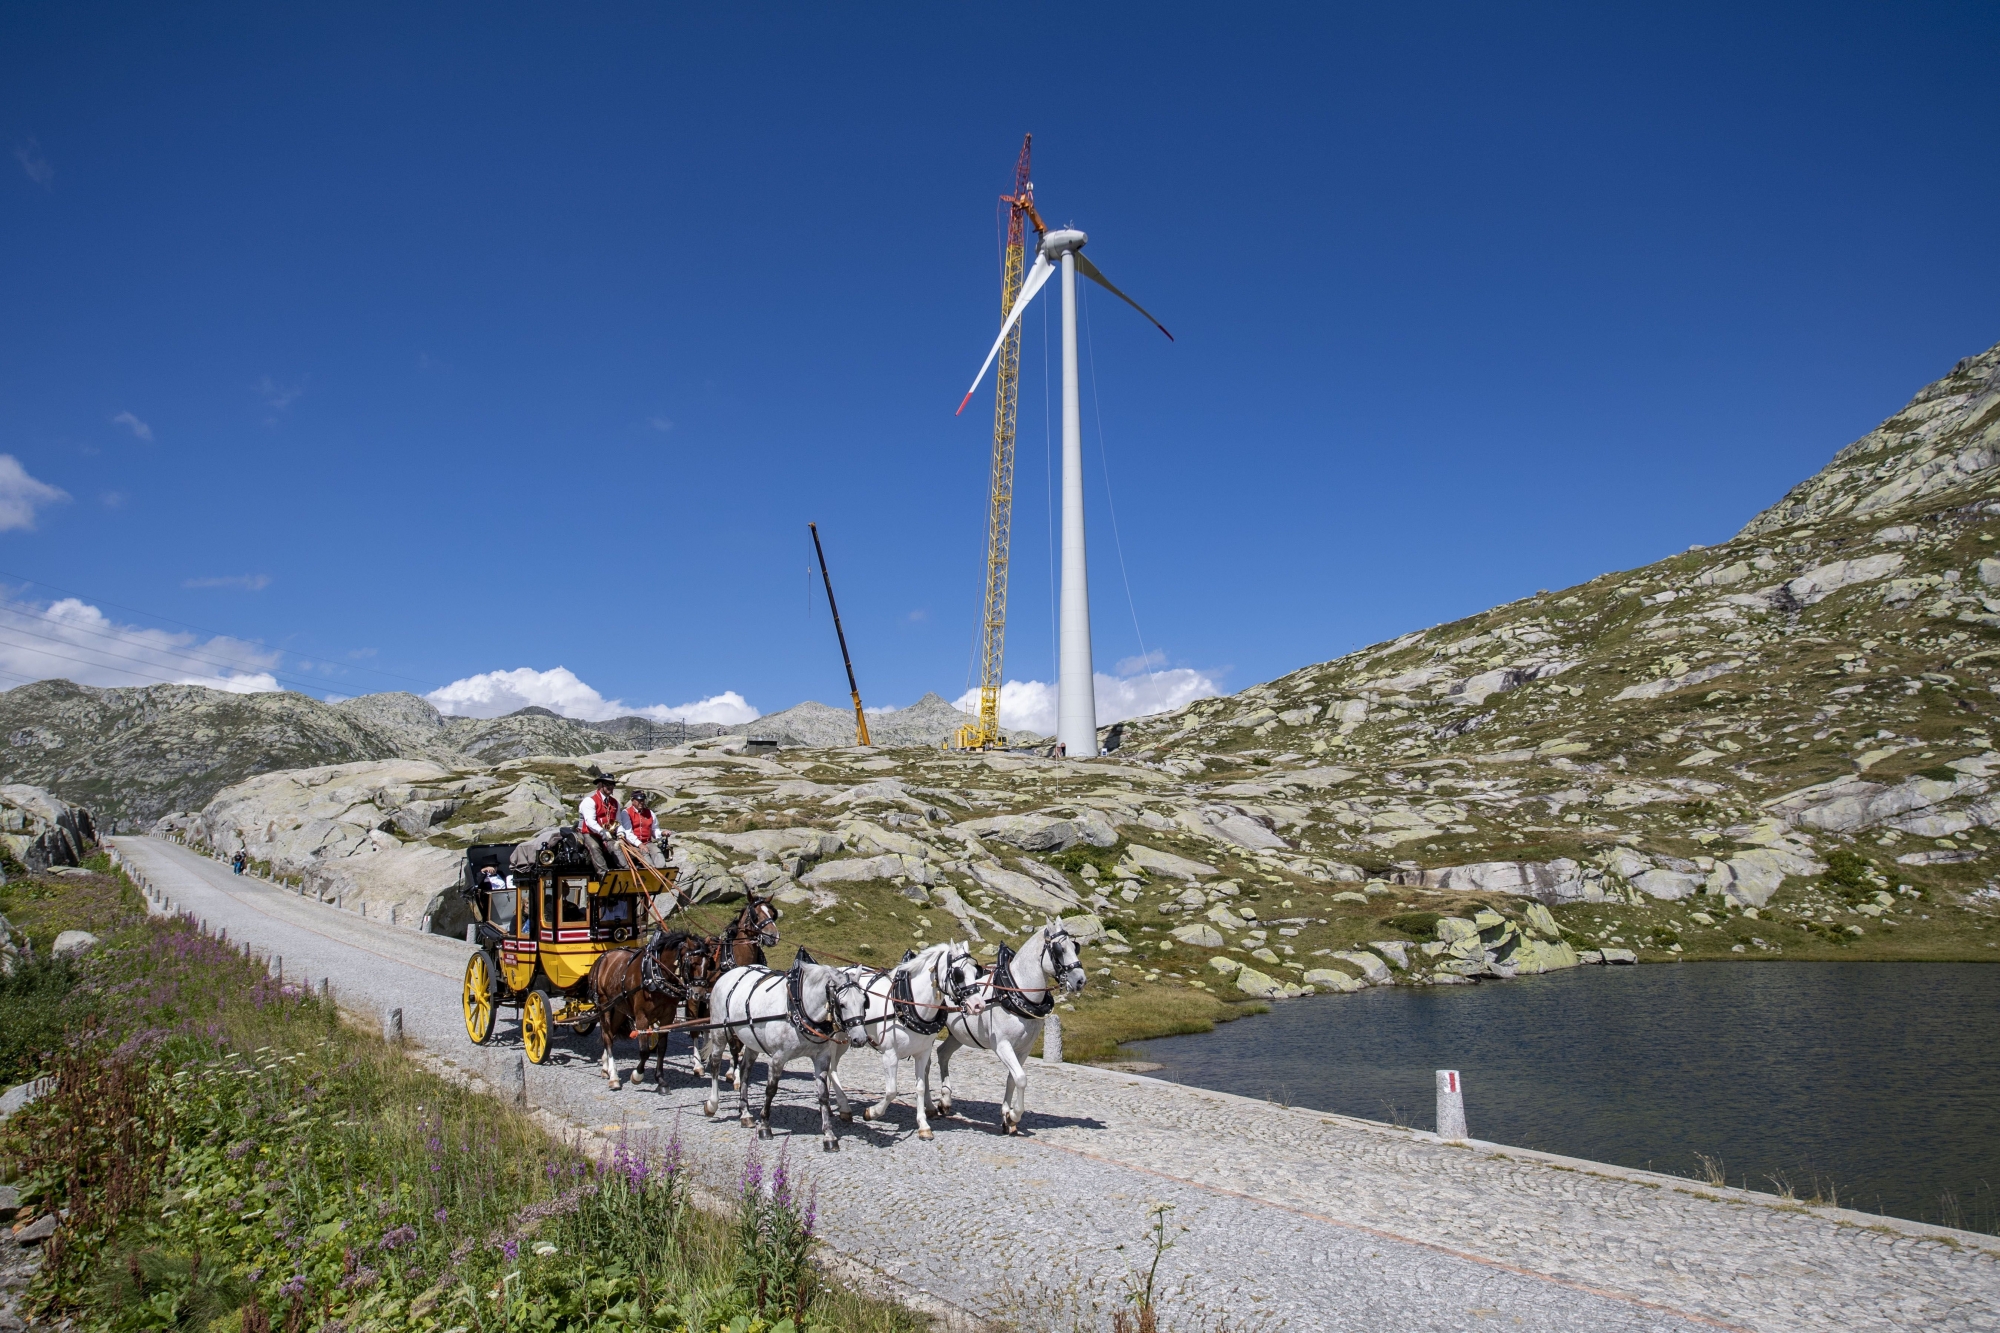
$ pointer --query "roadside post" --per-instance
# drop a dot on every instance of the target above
(1451, 1105)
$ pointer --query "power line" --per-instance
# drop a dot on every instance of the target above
(126, 657)
(181, 653)
(101, 666)
(199, 629)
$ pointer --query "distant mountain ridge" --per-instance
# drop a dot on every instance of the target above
(133, 754)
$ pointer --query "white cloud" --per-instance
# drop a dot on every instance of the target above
(29, 155)
(247, 582)
(1132, 666)
(727, 708)
(1030, 705)
(21, 495)
(278, 396)
(137, 427)
(493, 693)
(75, 641)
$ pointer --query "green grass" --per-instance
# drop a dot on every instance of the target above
(234, 1158)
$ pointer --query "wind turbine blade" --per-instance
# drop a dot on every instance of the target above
(1089, 270)
(1037, 275)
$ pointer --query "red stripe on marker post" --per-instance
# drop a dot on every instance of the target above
(1451, 1106)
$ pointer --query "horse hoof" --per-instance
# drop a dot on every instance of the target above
(847, 1117)
(764, 1131)
(925, 1135)
(708, 1109)
(831, 1145)
(870, 1114)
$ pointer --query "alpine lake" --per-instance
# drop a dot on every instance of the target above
(1874, 1085)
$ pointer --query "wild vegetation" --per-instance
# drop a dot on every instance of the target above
(226, 1154)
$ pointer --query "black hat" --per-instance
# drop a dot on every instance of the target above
(605, 780)
(638, 794)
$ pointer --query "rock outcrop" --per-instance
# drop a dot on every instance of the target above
(42, 832)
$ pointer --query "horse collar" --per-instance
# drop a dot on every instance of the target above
(904, 1001)
(1010, 996)
(795, 1006)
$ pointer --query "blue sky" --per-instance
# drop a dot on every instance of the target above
(401, 346)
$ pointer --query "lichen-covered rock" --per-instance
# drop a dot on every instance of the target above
(1166, 863)
(1198, 934)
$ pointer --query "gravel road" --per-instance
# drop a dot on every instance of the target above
(1285, 1218)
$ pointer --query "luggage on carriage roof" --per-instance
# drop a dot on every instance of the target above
(555, 848)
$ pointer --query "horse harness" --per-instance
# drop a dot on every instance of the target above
(1011, 997)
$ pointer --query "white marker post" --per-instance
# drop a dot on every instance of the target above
(1052, 1038)
(1451, 1106)
(392, 1027)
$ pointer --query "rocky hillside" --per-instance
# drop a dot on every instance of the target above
(1780, 746)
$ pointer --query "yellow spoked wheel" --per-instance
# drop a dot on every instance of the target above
(535, 1024)
(478, 998)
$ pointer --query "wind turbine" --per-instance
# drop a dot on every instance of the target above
(1076, 699)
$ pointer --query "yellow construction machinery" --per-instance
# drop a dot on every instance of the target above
(985, 733)
(853, 690)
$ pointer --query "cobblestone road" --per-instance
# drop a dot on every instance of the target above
(1289, 1218)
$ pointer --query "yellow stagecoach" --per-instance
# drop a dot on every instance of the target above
(540, 930)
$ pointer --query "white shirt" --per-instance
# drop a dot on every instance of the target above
(587, 815)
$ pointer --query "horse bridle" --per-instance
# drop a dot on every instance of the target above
(1011, 997)
(795, 1008)
(903, 1003)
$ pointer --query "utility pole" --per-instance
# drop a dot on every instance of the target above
(853, 690)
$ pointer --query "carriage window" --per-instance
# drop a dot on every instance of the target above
(614, 912)
(575, 902)
(500, 910)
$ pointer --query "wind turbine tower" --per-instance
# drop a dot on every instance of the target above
(1076, 700)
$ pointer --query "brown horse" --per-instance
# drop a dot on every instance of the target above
(641, 988)
(741, 944)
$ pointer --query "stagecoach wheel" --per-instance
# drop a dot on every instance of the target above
(535, 1026)
(478, 999)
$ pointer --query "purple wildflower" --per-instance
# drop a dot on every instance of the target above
(294, 1288)
(511, 1248)
(439, 1216)
(239, 1151)
(401, 1236)
(753, 1171)
(781, 1180)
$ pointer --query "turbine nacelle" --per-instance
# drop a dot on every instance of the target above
(1064, 238)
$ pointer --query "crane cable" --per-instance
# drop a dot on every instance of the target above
(1104, 459)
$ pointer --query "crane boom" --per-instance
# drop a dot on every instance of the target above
(853, 690)
(985, 733)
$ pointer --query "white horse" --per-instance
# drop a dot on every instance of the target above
(907, 1008)
(783, 1016)
(1015, 996)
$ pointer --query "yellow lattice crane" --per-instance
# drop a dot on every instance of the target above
(985, 733)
